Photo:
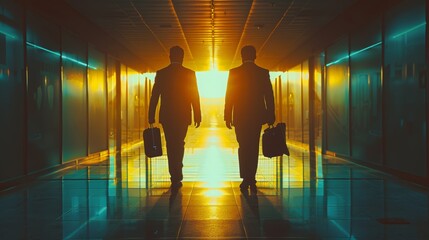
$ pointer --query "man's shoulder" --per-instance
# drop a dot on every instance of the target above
(251, 66)
(162, 70)
(175, 68)
(236, 69)
(188, 70)
(261, 68)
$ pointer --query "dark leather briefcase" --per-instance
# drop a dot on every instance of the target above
(274, 141)
(152, 142)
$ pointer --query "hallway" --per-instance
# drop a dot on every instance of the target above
(130, 201)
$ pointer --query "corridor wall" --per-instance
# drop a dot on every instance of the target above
(58, 94)
(370, 93)
(12, 102)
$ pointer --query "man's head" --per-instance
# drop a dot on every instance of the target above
(176, 54)
(248, 53)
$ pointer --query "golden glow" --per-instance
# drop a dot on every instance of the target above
(294, 74)
(149, 75)
(213, 168)
(213, 193)
(274, 75)
(212, 84)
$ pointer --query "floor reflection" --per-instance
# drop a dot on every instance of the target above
(128, 197)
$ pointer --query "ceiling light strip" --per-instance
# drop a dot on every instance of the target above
(183, 33)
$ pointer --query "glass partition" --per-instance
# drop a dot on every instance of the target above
(295, 104)
(11, 90)
(75, 117)
(111, 103)
(43, 93)
(404, 65)
(337, 97)
(366, 111)
(97, 109)
(305, 104)
(319, 62)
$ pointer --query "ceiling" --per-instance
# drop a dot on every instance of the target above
(211, 32)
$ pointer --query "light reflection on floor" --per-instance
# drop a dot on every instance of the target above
(132, 200)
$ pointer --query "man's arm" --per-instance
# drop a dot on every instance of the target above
(195, 101)
(228, 101)
(156, 92)
(269, 99)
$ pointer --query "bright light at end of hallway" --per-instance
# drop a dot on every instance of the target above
(212, 84)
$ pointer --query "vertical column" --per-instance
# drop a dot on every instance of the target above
(324, 104)
(61, 69)
(302, 102)
(88, 140)
(350, 93)
(106, 86)
(25, 87)
(311, 97)
(383, 92)
(426, 75)
(118, 108)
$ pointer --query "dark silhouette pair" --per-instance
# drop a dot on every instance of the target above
(249, 103)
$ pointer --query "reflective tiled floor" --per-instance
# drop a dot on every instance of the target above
(132, 200)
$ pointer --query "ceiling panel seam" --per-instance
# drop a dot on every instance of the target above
(242, 33)
(183, 33)
(147, 26)
(275, 27)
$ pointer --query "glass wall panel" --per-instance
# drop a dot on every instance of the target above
(365, 67)
(405, 87)
(277, 97)
(97, 108)
(112, 107)
(43, 93)
(278, 100)
(75, 119)
(284, 101)
(337, 98)
(294, 104)
(124, 104)
(11, 90)
(134, 105)
(319, 62)
(305, 104)
(144, 102)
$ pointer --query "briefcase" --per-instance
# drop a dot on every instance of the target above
(152, 142)
(274, 141)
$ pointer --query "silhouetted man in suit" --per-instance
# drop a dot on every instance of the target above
(177, 87)
(249, 103)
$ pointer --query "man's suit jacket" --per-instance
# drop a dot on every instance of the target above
(249, 95)
(178, 90)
